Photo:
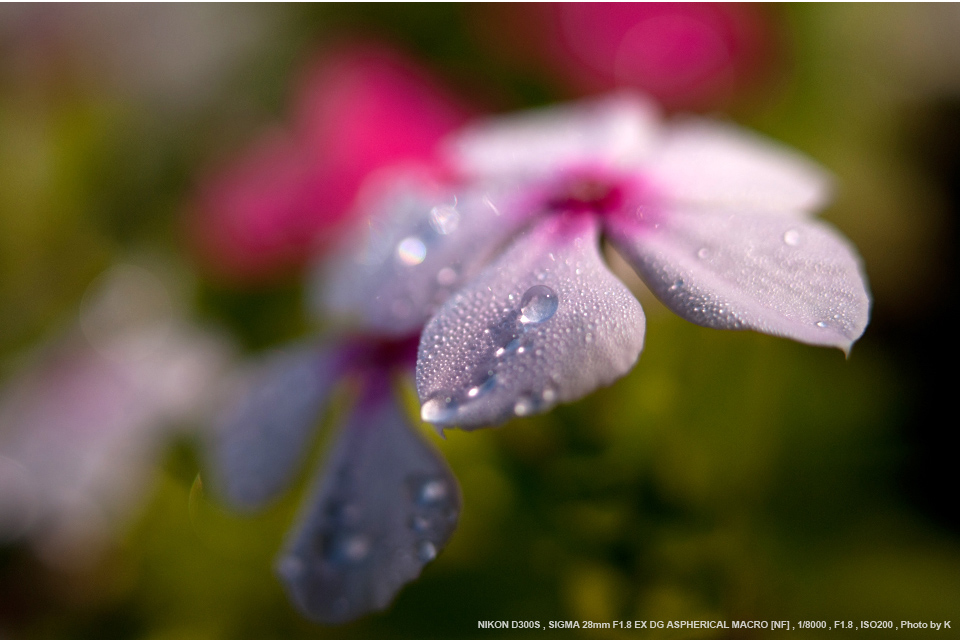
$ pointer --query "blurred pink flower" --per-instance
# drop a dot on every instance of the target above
(687, 55)
(355, 110)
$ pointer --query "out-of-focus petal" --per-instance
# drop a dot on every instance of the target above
(421, 243)
(545, 323)
(262, 214)
(79, 431)
(264, 433)
(386, 504)
(364, 106)
(783, 275)
(359, 108)
(614, 131)
(686, 55)
(699, 162)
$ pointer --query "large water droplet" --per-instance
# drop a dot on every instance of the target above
(438, 410)
(703, 253)
(792, 237)
(411, 251)
(822, 324)
(538, 304)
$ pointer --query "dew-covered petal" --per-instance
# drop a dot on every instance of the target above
(612, 131)
(783, 275)
(545, 323)
(701, 162)
(386, 505)
(264, 431)
(420, 244)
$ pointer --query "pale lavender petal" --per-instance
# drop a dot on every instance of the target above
(420, 245)
(264, 433)
(783, 275)
(386, 505)
(545, 323)
(615, 131)
(701, 162)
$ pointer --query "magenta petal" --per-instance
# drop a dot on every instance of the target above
(545, 323)
(783, 275)
(421, 243)
(705, 163)
(386, 504)
(264, 434)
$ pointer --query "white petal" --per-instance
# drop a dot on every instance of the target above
(420, 245)
(545, 323)
(613, 131)
(783, 275)
(700, 162)
(264, 433)
(386, 504)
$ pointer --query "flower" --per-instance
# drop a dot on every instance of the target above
(714, 219)
(385, 502)
(80, 429)
(686, 55)
(359, 108)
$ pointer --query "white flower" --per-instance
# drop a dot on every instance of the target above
(714, 219)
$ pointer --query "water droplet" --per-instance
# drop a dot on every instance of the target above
(432, 492)
(444, 219)
(346, 549)
(482, 388)
(822, 324)
(427, 551)
(510, 347)
(703, 253)
(446, 276)
(523, 407)
(538, 304)
(792, 237)
(411, 251)
(419, 524)
(676, 285)
(549, 395)
(438, 409)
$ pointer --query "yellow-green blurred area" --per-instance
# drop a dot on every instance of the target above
(729, 476)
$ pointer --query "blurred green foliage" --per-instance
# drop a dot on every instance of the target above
(729, 476)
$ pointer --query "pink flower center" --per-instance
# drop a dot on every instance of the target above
(587, 194)
(601, 192)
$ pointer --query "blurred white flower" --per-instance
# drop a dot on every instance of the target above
(81, 428)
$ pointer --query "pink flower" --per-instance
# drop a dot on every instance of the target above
(714, 219)
(690, 55)
(356, 110)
